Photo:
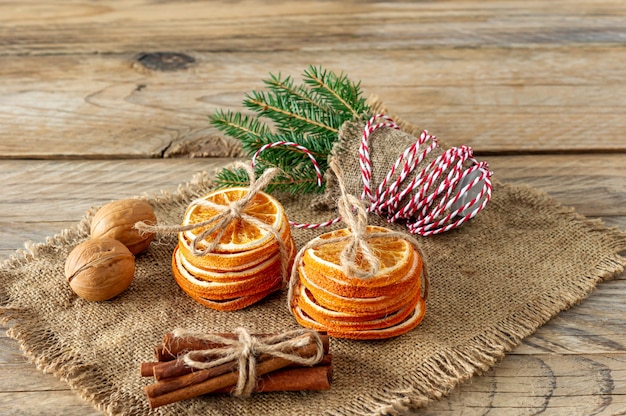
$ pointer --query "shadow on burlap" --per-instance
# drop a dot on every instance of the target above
(494, 281)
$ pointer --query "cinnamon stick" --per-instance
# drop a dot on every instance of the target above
(173, 346)
(147, 369)
(225, 380)
(292, 379)
(189, 379)
(297, 379)
(176, 368)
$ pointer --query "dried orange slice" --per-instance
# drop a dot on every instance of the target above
(247, 262)
(386, 305)
(224, 290)
(217, 261)
(268, 267)
(394, 254)
(401, 328)
(363, 288)
(329, 318)
(237, 303)
(240, 235)
(378, 304)
(234, 274)
(246, 279)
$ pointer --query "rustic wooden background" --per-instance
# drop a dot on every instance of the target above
(104, 100)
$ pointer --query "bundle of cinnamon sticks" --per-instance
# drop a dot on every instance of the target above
(176, 380)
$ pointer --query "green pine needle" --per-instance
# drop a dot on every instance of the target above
(309, 114)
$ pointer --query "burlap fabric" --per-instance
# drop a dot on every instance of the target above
(493, 282)
(385, 146)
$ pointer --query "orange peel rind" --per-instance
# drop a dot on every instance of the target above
(389, 304)
(240, 235)
(250, 258)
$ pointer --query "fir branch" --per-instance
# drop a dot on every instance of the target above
(250, 131)
(231, 178)
(339, 90)
(279, 109)
(309, 114)
(297, 93)
(240, 126)
(298, 181)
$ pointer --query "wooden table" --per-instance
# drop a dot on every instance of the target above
(104, 100)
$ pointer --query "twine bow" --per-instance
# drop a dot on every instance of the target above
(246, 349)
(354, 214)
(226, 214)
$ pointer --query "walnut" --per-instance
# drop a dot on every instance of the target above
(99, 269)
(117, 220)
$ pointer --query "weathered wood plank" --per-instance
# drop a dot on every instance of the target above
(24, 390)
(594, 184)
(82, 27)
(9, 349)
(51, 402)
(101, 106)
(21, 378)
(550, 384)
(75, 186)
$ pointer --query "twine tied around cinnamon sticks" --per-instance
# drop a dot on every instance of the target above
(354, 214)
(227, 213)
(246, 348)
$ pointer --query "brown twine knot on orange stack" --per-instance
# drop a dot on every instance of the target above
(360, 282)
(234, 246)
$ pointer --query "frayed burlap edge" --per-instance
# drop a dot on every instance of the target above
(40, 346)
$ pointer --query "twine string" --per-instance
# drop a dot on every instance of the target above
(234, 211)
(356, 220)
(246, 349)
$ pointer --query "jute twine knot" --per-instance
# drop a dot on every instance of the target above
(354, 214)
(246, 349)
(226, 214)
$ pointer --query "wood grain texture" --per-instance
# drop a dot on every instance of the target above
(263, 26)
(494, 105)
(542, 384)
(94, 99)
(90, 111)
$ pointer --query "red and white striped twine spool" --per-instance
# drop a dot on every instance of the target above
(461, 194)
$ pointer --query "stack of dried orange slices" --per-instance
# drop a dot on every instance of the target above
(246, 264)
(388, 304)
